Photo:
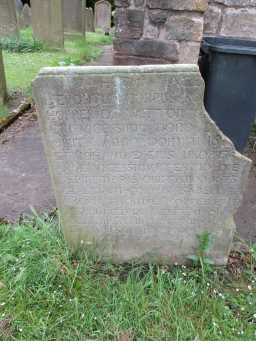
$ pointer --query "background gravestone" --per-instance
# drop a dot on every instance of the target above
(102, 13)
(89, 20)
(3, 90)
(138, 167)
(47, 22)
(8, 18)
(24, 18)
(73, 16)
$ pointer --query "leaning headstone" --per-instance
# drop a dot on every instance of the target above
(89, 20)
(138, 167)
(3, 90)
(24, 19)
(8, 18)
(47, 22)
(102, 14)
(73, 16)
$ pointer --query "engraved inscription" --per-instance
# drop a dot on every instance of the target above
(137, 164)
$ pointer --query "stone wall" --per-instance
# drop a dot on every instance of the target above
(231, 18)
(158, 31)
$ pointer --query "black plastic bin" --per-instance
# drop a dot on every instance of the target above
(228, 66)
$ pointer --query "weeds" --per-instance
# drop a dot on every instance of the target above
(23, 44)
(205, 241)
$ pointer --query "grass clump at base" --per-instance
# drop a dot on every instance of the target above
(3, 111)
(22, 68)
(46, 293)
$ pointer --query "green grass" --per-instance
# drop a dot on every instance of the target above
(21, 68)
(3, 111)
(47, 294)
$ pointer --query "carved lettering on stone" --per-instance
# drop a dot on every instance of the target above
(138, 167)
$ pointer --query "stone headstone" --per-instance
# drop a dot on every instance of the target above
(138, 167)
(8, 18)
(102, 14)
(73, 14)
(24, 19)
(89, 20)
(47, 22)
(3, 90)
(19, 6)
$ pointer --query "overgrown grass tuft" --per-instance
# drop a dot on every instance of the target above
(46, 293)
(25, 43)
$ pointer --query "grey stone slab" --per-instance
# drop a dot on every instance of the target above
(89, 20)
(102, 14)
(138, 167)
(24, 19)
(8, 18)
(47, 22)
(3, 90)
(73, 14)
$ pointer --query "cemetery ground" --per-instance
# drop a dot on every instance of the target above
(48, 293)
(24, 58)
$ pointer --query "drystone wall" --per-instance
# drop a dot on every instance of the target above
(151, 32)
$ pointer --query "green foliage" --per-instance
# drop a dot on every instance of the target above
(3, 111)
(201, 259)
(25, 43)
(47, 293)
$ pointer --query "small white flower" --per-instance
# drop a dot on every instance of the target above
(254, 316)
(176, 264)
(243, 309)
(249, 287)
(237, 290)
(2, 304)
(20, 329)
(81, 241)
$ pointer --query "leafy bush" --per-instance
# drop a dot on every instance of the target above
(21, 44)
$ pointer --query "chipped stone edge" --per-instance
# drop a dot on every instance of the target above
(166, 68)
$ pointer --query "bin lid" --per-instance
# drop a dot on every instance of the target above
(229, 45)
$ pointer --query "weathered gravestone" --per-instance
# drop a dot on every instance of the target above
(8, 18)
(73, 14)
(102, 14)
(89, 20)
(47, 22)
(2, 80)
(24, 18)
(138, 167)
